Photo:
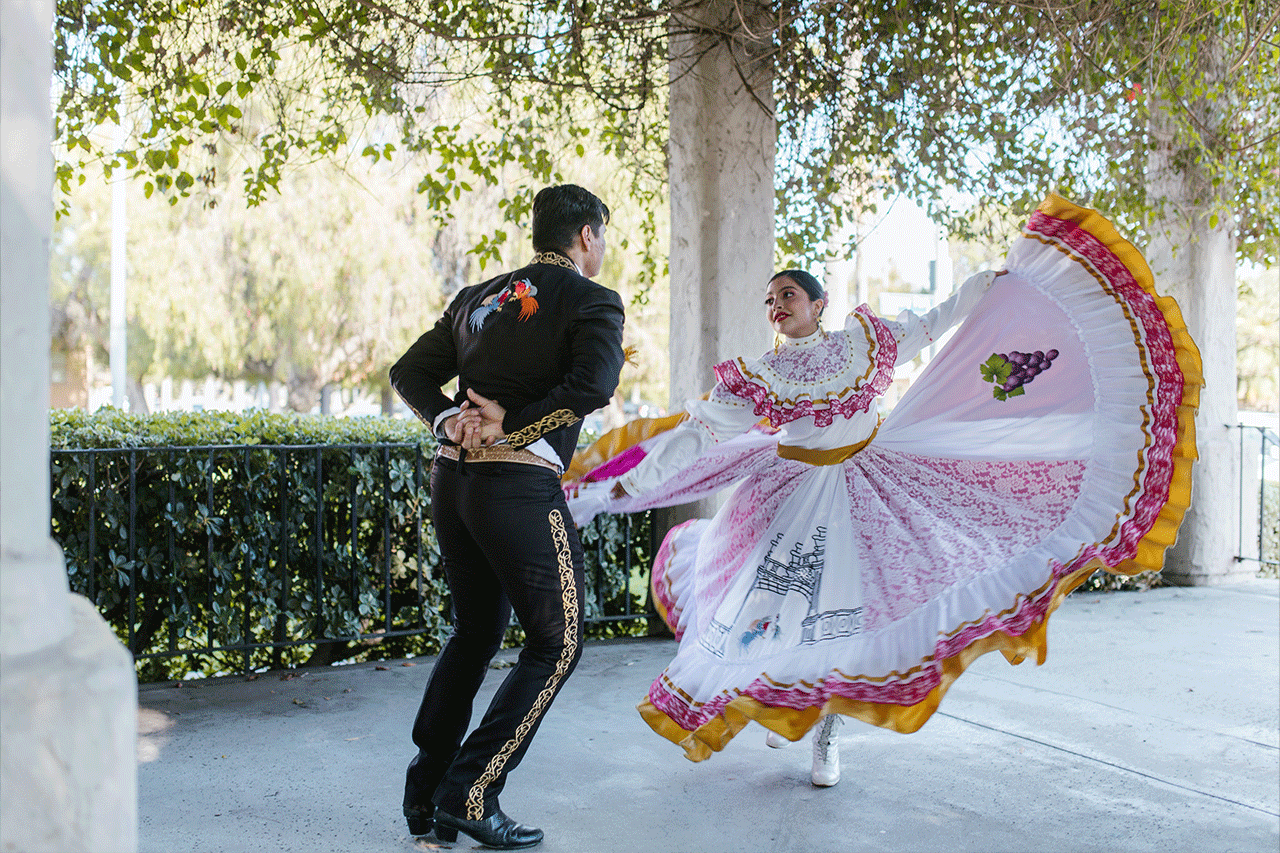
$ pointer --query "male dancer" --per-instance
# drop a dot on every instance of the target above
(534, 351)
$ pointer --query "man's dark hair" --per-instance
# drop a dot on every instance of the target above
(559, 213)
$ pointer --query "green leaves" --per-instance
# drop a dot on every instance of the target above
(236, 542)
(312, 76)
(996, 369)
(973, 110)
(379, 152)
(223, 546)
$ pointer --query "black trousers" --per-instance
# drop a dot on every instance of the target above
(507, 543)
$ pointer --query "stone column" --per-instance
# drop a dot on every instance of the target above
(720, 168)
(721, 156)
(1193, 260)
(68, 695)
(1195, 264)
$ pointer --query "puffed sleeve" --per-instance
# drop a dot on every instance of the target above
(914, 331)
(720, 417)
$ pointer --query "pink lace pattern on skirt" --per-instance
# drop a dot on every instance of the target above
(992, 511)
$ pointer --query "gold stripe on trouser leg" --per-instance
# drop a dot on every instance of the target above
(569, 598)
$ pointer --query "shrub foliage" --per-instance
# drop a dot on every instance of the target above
(219, 542)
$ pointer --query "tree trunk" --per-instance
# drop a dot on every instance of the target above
(304, 390)
(137, 399)
(722, 149)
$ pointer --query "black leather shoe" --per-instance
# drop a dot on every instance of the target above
(421, 819)
(497, 831)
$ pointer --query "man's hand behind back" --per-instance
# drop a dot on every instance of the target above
(479, 424)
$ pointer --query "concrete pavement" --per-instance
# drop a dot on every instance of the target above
(1153, 726)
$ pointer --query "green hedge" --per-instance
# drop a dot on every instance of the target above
(75, 429)
(277, 531)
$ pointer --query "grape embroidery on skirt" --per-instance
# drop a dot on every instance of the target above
(1012, 372)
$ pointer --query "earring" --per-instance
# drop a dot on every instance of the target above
(777, 342)
(821, 330)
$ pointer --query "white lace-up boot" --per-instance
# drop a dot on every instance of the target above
(826, 752)
(774, 740)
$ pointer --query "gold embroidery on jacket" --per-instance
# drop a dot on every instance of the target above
(534, 431)
(421, 416)
(569, 600)
(556, 260)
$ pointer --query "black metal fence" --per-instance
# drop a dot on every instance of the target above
(1258, 533)
(230, 558)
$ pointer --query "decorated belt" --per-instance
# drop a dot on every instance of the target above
(833, 456)
(498, 453)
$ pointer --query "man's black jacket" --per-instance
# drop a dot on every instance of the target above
(543, 341)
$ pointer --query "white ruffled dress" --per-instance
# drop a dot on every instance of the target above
(858, 566)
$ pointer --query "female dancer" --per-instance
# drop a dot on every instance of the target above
(858, 567)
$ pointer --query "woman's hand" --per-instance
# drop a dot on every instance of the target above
(586, 501)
